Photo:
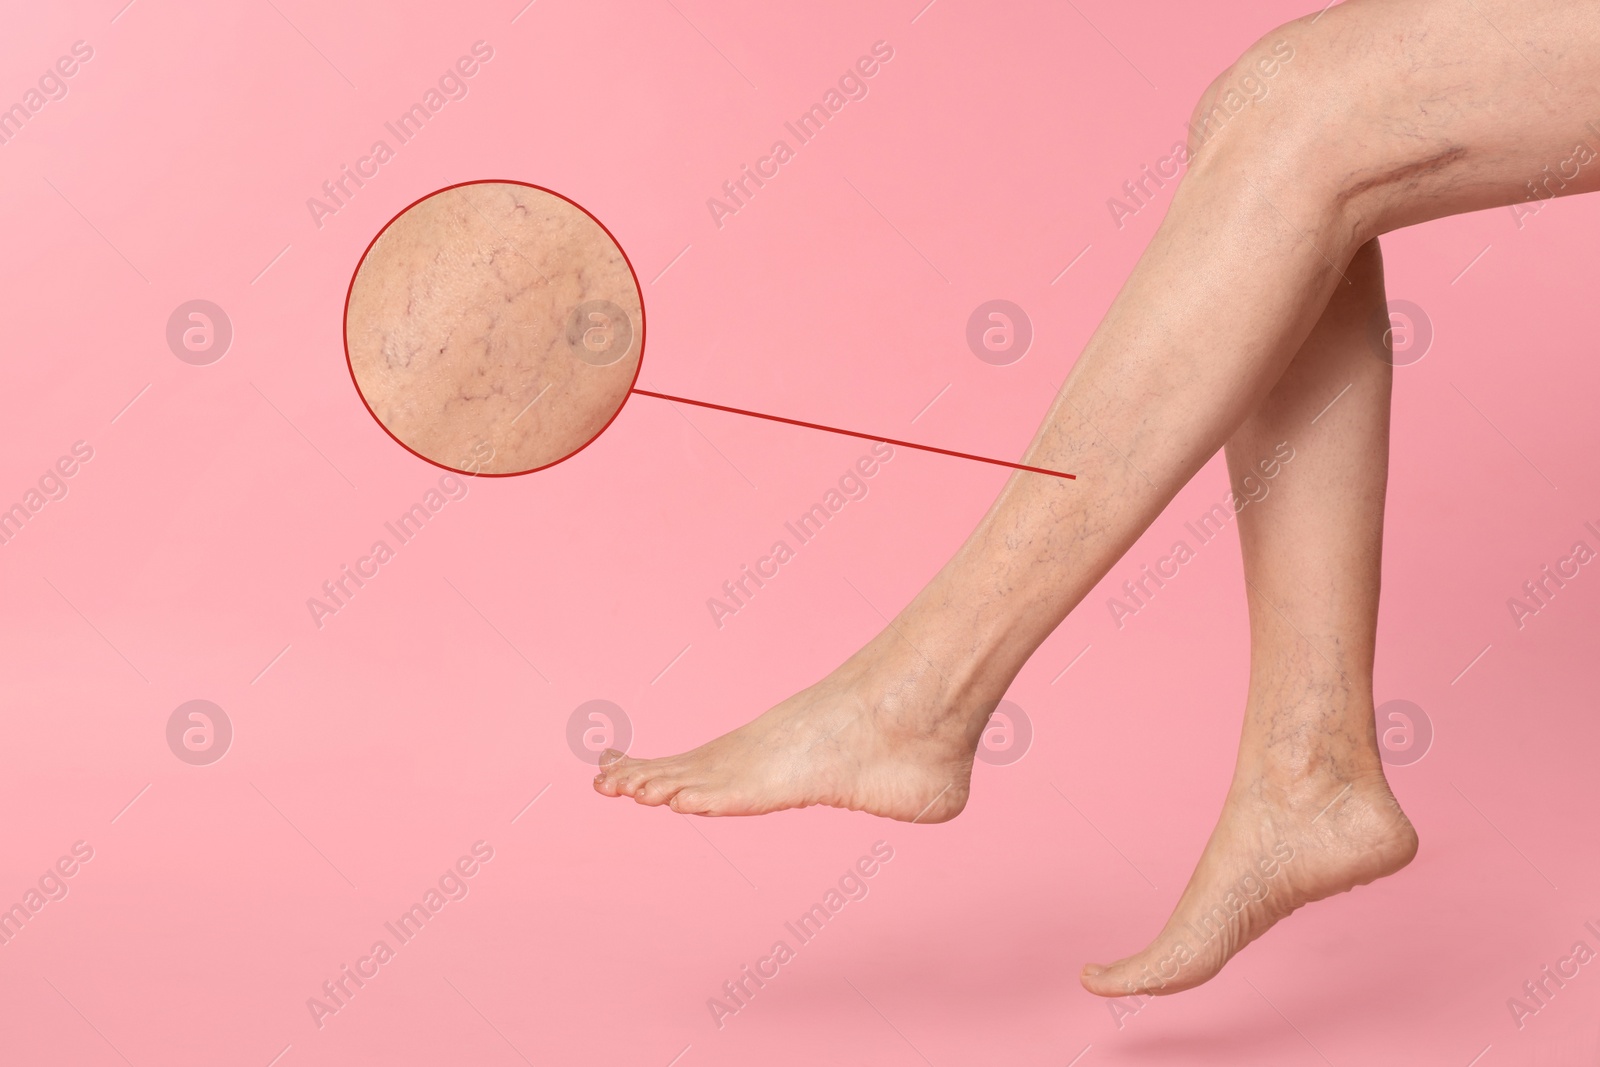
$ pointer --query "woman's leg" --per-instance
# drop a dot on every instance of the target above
(1309, 813)
(1389, 113)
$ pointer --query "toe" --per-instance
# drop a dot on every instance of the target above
(688, 801)
(1166, 966)
(1104, 979)
(626, 775)
(607, 777)
(1151, 972)
(658, 790)
(1110, 980)
(637, 775)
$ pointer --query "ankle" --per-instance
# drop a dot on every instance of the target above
(1309, 731)
(1300, 778)
(916, 687)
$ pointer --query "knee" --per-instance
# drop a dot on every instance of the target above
(1309, 112)
(1264, 127)
(1230, 111)
(1280, 108)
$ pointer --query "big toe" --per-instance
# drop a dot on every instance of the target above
(1112, 979)
(1151, 972)
(646, 780)
(615, 770)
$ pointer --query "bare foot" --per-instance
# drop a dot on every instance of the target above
(902, 749)
(1277, 846)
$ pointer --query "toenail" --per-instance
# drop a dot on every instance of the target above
(1092, 969)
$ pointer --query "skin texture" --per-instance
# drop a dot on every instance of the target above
(1249, 312)
(460, 328)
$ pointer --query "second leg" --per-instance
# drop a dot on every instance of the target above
(1309, 813)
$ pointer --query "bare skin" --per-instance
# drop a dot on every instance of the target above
(1309, 813)
(470, 333)
(1246, 314)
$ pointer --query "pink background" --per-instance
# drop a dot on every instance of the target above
(370, 754)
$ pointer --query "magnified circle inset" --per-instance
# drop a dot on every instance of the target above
(494, 328)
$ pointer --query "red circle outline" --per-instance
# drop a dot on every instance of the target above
(344, 328)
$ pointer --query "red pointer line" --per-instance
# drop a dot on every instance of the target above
(852, 433)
